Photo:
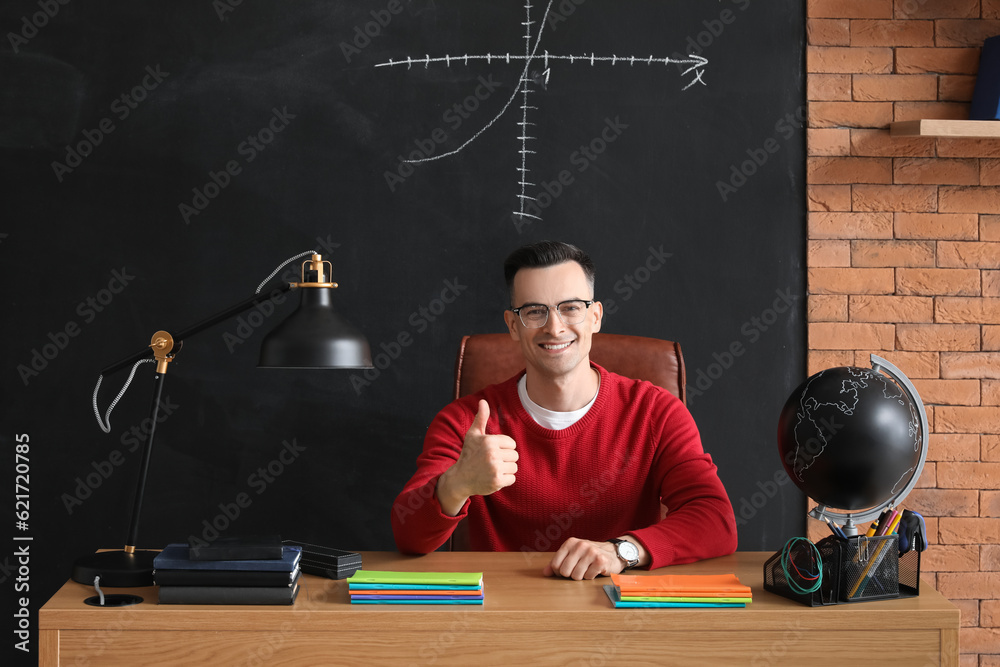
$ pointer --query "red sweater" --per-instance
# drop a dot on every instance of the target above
(602, 477)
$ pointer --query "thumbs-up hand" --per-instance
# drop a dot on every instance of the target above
(487, 464)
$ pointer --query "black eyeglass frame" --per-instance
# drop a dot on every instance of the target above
(517, 311)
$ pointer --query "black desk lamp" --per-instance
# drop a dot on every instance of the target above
(314, 336)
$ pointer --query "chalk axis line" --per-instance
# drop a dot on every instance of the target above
(696, 66)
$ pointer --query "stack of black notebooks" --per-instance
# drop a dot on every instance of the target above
(326, 561)
(229, 571)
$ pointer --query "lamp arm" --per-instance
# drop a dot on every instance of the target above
(173, 344)
(194, 329)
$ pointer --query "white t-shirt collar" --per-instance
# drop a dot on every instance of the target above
(554, 421)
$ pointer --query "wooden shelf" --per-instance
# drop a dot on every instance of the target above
(946, 128)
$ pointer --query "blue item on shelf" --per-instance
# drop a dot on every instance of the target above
(986, 95)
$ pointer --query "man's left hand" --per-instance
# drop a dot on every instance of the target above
(582, 559)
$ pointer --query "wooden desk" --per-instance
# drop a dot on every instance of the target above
(528, 619)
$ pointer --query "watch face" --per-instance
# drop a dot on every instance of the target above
(628, 551)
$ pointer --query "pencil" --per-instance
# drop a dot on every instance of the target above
(875, 559)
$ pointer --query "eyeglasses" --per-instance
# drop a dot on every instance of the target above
(535, 315)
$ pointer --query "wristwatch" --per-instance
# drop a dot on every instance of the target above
(627, 552)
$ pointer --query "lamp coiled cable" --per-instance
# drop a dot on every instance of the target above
(105, 422)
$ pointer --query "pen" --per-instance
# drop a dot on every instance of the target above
(878, 522)
(885, 527)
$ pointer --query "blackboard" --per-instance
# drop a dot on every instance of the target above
(158, 160)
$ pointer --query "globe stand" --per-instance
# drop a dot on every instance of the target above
(850, 528)
(850, 567)
(849, 520)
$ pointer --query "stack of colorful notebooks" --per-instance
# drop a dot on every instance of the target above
(675, 590)
(227, 577)
(384, 587)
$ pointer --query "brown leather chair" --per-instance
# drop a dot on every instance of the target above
(485, 359)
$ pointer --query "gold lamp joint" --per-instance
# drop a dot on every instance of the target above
(316, 263)
(163, 350)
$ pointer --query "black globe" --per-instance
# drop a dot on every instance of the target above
(850, 438)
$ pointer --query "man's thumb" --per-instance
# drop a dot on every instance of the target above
(482, 417)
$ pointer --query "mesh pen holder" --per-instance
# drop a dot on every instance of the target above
(869, 568)
(776, 581)
(858, 569)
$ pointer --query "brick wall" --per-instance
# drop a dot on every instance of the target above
(904, 261)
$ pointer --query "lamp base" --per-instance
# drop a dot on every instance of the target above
(112, 600)
(117, 569)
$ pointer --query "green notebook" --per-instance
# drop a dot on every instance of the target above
(650, 598)
(615, 596)
(394, 577)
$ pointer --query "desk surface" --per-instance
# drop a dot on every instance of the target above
(526, 616)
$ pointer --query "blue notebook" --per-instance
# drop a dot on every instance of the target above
(615, 597)
(986, 95)
(442, 598)
(356, 601)
(175, 557)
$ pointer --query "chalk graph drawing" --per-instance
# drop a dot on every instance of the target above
(693, 67)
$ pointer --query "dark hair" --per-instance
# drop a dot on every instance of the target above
(544, 254)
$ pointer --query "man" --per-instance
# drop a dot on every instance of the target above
(566, 449)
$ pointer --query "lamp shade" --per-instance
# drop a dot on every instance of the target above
(315, 336)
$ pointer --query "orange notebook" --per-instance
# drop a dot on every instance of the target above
(397, 591)
(700, 585)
